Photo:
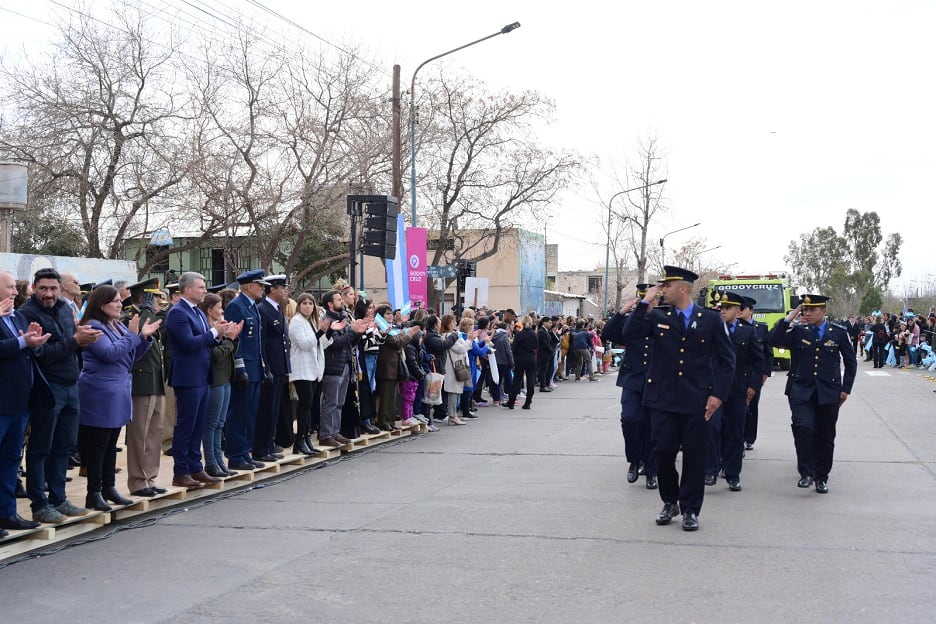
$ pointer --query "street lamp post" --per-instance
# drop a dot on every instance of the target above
(608, 245)
(662, 251)
(412, 111)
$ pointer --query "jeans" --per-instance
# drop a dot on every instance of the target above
(53, 438)
(218, 401)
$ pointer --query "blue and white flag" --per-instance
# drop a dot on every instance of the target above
(398, 270)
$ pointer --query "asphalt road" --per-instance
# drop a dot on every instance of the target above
(525, 516)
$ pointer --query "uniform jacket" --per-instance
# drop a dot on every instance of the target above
(58, 357)
(274, 338)
(306, 350)
(147, 372)
(688, 364)
(632, 373)
(762, 330)
(749, 359)
(105, 383)
(816, 366)
(242, 308)
(191, 344)
(22, 383)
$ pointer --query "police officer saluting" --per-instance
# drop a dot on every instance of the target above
(726, 430)
(632, 375)
(817, 388)
(688, 378)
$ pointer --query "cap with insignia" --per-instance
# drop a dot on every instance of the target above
(749, 302)
(107, 282)
(86, 288)
(172, 288)
(672, 274)
(716, 297)
(814, 301)
(642, 290)
(252, 277)
(276, 280)
(217, 288)
(150, 285)
(729, 298)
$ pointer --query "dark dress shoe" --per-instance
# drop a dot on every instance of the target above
(651, 483)
(256, 464)
(734, 485)
(111, 494)
(670, 510)
(186, 481)
(278, 449)
(632, 473)
(145, 492)
(341, 439)
(214, 471)
(711, 479)
(642, 469)
(748, 446)
(204, 477)
(3, 533)
(330, 442)
(17, 523)
(509, 405)
(822, 487)
(278, 455)
(804, 482)
(96, 502)
(243, 466)
(371, 429)
(525, 406)
(268, 458)
(690, 522)
(158, 490)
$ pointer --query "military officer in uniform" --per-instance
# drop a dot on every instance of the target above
(248, 372)
(688, 378)
(726, 429)
(275, 342)
(632, 374)
(817, 388)
(750, 420)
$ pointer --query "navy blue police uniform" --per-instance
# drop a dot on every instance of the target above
(726, 429)
(635, 417)
(814, 389)
(753, 408)
(693, 359)
(275, 342)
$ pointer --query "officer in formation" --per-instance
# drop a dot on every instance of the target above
(632, 374)
(275, 342)
(750, 422)
(689, 376)
(726, 430)
(816, 387)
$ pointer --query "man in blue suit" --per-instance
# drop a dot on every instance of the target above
(248, 372)
(275, 342)
(191, 337)
(632, 375)
(21, 383)
(688, 377)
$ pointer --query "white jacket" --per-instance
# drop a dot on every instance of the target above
(307, 351)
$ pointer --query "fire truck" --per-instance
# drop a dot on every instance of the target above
(772, 292)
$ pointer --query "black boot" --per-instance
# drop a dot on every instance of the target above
(96, 502)
(111, 494)
(308, 442)
(301, 448)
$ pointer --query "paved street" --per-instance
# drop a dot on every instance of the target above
(525, 516)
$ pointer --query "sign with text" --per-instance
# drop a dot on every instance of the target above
(441, 271)
(416, 267)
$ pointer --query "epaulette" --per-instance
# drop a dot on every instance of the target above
(842, 327)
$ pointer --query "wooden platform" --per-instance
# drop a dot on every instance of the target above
(20, 542)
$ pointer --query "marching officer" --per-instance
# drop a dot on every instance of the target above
(816, 388)
(726, 430)
(750, 420)
(248, 372)
(275, 341)
(688, 378)
(632, 374)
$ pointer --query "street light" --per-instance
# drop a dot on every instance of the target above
(662, 251)
(412, 111)
(608, 245)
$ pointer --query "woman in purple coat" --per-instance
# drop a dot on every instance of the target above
(104, 403)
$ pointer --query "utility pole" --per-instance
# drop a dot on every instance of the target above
(397, 139)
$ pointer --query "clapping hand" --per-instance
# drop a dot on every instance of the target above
(234, 330)
(149, 327)
(34, 336)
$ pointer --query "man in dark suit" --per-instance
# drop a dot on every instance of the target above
(726, 429)
(632, 375)
(750, 419)
(191, 337)
(248, 372)
(688, 378)
(275, 342)
(21, 382)
(816, 388)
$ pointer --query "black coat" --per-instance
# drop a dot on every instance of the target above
(437, 346)
(524, 349)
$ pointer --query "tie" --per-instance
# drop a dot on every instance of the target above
(685, 316)
(731, 328)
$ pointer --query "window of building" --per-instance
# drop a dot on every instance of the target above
(594, 284)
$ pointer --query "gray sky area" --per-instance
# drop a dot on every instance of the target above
(775, 117)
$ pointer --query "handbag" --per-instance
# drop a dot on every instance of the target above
(460, 368)
(432, 394)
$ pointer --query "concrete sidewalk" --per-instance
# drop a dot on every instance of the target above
(525, 516)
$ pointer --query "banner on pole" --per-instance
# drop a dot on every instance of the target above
(415, 255)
